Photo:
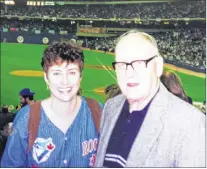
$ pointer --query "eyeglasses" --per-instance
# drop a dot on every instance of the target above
(136, 64)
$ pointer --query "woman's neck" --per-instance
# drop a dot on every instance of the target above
(63, 109)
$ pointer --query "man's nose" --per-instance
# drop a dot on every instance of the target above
(130, 71)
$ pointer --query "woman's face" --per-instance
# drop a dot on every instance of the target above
(63, 80)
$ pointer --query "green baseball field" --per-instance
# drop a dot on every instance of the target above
(20, 68)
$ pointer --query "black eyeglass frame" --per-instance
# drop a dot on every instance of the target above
(127, 64)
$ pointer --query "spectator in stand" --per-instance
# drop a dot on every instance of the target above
(18, 107)
(26, 97)
(111, 91)
(5, 116)
(174, 85)
(10, 108)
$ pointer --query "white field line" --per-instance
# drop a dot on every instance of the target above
(113, 76)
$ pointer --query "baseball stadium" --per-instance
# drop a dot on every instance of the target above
(45, 123)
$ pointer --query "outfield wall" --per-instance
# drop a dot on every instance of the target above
(47, 38)
(31, 38)
(186, 66)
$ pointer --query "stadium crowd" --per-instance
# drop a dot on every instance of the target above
(195, 9)
(31, 26)
(185, 45)
(180, 45)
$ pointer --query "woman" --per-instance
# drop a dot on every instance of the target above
(66, 136)
(174, 85)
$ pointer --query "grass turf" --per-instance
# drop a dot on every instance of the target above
(28, 57)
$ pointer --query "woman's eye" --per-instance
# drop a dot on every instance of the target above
(56, 74)
(72, 73)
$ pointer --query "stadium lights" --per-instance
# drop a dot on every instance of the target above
(35, 3)
(9, 2)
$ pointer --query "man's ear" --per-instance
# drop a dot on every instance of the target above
(26, 99)
(46, 79)
(160, 66)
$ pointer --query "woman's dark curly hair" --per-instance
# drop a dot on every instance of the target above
(57, 53)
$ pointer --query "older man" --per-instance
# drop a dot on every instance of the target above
(146, 126)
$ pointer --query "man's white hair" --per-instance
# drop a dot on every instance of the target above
(146, 36)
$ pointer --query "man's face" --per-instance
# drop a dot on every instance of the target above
(136, 84)
(63, 80)
(23, 101)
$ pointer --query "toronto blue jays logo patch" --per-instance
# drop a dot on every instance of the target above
(42, 149)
